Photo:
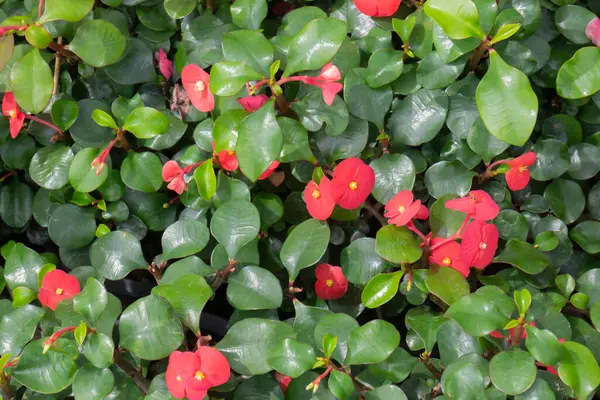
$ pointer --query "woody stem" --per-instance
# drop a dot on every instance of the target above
(369, 207)
(139, 379)
(41, 121)
(223, 275)
(517, 333)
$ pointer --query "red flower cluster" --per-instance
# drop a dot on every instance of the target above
(175, 175)
(331, 283)
(196, 82)
(448, 255)
(402, 209)
(57, 286)
(378, 8)
(592, 31)
(352, 183)
(191, 375)
(477, 205)
(11, 109)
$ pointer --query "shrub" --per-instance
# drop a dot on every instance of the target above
(350, 199)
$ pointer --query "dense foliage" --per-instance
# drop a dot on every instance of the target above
(349, 199)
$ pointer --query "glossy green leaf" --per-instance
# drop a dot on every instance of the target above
(146, 122)
(477, 315)
(184, 238)
(397, 245)
(65, 10)
(458, 18)
(578, 369)
(381, 289)
(82, 176)
(117, 254)
(291, 357)
(304, 246)
(99, 43)
(385, 66)
(227, 78)
(71, 227)
(365, 102)
(49, 167)
(580, 76)
(372, 343)
(249, 14)
(91, 383)
(586, 235)
(31, 80)
(447, 283)
(254, 288)
(360, 261)
(234, 225)
(523, 256)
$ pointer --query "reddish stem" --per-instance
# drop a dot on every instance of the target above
(56, 335)
(258, 84)
(40, 8)
(457, 235)
(495, 164)
(192, 167)
(5, 29)
(291, 79)
(41, 121)
(413, 228)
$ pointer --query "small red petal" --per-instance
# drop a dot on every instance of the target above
(423, 213)
(9, 103)
(181, 368)
(331, 283)
(403, 199)
(229, 162)
(404, 218)
(171, 170)
(486, 208)
(352, 183)
(592, 31)
(378, 8)
(214, 365)
(253, 103)
(269, 170)
(319, 201)
(16, 124)
(526, 159)
(464, 205)
(517, 179)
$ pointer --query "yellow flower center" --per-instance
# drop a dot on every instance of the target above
(522, 168)
(231, 153)
(401, 209)
(446, 261)
(199, 375)
(473, 199)
(329, 282)
(353, 185)
(179, 378)
(12, 113)
(59, 291)
(200, 86)
(483, 245)
(316, 194)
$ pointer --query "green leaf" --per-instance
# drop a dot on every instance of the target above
(418, 118)
(523, 256)
(22, 296)
(458, 18)
(314, 113)
(91, 383)
(291, 357)
(249, 14)
(234, 225)
(43, 271)
(447, 283)
(142, 171)
(206, 180)
(225, 129)
(91, 301)
(595, 315)
(49, 167)
(259, 142)
(552, 160)
(150, 329)
(381, 289)
(505, 32)
(449, 335)
(80, 332)
(372, 343)
(228, 77)
(65, 10)
(477, 315)
(304, 246)
(340, 384)
(586, 235)
(338, 326)
(385, 66)
(82, 176)
(434, 73)
(397, 245)
(578, 369)
(329, 345)
(315, 45)
(425, 324)
(543, 345)
(18, 327)
(98, 43)
(386, 392)
(522, 300)
(249, 47)
(146, 122)
(566, 199)
(184, 238)
(32, 82)
(361, 263)
(445, 178)
(72, 227)
(187, 294)
(178, 9)
(572, 21)
(506, 102)
(104, 119)
(465, 376)
(580, 76)
(365, 102)
(38, 36)
(98, 350)
(270, 208)
(254, 288)
(247, 343)
(22, 267)
(117, 254)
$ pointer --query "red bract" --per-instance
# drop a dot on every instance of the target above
(228, 160)
(197, 85)
(592, 31)
(191, 375)
(377, 8)
(269, 170)
(402, 209)
(11, 109)
(284, 381)
(331, 283)
(448, 255)
(518, 175)
(57, 286)
(477, 205)
(253, 103)
(173, 174)
(479, 244)
(352, 183)
(164, 64)
(318, 198)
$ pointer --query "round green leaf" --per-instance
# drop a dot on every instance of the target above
(385, 392)
(149, 328)
(579, 369)
(134, 66)
(445, 178)
(385, 66)
(381, 289)
(85, 130)
(258, 387)
(580, 76)
(91, 301)
(291, 357)
(566, 199)
(49, 167)
(477, 315)
(98, 43)
(228, 77)
(513, 371)
(72, 227)
(447, 283)
(142, 171)
(249, 47)
(372, 343)
(304, 246)
(453, 342)
(339, 326)
(178, 9)
(184, 238)
(16, 202)
(434, 73)
(393, 173)
(397, 245)
(66, 10)
(552, 160)
(98, 349)
(91, 383)
(425, 324)
(465, 376)
(585, 161)
(340, 384)
(82, 176)
(458, 18)
(234, 225)
(270, 208)
(395, 368)
(254, 288)
(365, 102)
(32, 82)
(249, 14)
(572, 21)
(482, 142)
(587, 235)
(444, 221)
(17, 328)
(146, 122)
(512, 225)
(313, 113)
(361, 263)
(507, 103)
(348, 144)
(523, 256)
(22, 267)
(117, 254)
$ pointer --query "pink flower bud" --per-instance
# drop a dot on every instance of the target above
(593, 31)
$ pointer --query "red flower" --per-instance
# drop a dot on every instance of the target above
(511, 333)
(479, 244)
(327, 81)
(269, 170)
(477, 205)
(448, 255)
(378, 8)
(352, 183)
(318, 198)
(253, 103)
(57, 286)
(284, 381)
(423, 213)
(228, 160)
(331, 283)
(164, 64)
(518, 175)
(402, 209)
(197, 85)
(592, 31)
(191, 375)
(173, 174)
(10, 109)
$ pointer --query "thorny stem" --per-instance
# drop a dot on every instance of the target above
(223, 275)
(56, 65)
(140, 381)
(369, 207)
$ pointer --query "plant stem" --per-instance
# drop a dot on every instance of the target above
(123, 142)
(48, 124)
(211, 5)
(369, 207)
(223, 275)
(156, 272)
(517, 334)
(56, 65)
(457, 235)
(141, 382)
(59, 48)
(434, 371)
(40, 8)
(478, 55)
